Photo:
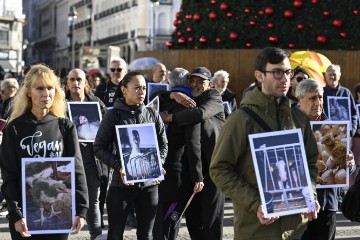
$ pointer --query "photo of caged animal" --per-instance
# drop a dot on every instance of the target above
(48, 195)
(333, 145)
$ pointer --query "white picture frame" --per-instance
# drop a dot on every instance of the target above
(282, 172)
(139, 152)
(155, 87)
(86, 116)
(339, 108)
(333, 142)
(227, 107)
(154, 104)
(38, 187)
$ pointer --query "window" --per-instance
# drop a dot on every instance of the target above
(4, 38)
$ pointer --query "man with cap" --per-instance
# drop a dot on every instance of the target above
(299, 74)
(204, 216)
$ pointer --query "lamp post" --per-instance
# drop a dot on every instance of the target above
(154, 4)
(72, 17)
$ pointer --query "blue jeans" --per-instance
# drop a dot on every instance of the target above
(145, 201)
(93, 213)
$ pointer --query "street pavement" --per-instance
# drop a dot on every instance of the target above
(345, 229)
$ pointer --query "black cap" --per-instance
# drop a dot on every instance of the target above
(299, 69)
(202, 72)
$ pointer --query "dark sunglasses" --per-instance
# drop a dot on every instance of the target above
(117, 69)
(299, 79)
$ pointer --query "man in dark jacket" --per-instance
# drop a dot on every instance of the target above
(204, 217)
(333, 88)
(94, 169)
(310, 95)
(182, 164)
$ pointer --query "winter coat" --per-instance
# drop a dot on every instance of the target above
(233, 172)
(123, 114)
(229, 96)
(27, 137)
(86, 148)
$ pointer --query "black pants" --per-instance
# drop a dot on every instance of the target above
(166, 223)
(145, 201)
(205, 214)
(17, 236)
(323, 228)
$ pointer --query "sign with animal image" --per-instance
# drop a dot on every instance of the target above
(282, 172)
(87, 117)
(48, 194)
(139, 152)
(333, 142)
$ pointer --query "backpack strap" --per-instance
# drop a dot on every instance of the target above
(256, 118)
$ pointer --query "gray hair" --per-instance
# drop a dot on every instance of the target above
(10, 83)
(305, 86)
(118, 59)
(333, 67)
(178, 77)
(219, 74)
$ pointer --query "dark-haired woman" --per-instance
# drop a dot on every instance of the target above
(129, 110)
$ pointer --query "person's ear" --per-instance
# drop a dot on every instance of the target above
(259, 76)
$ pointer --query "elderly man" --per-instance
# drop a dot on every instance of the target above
(232, 168)
(159, 73)
(94, 169)
(9, 88)
(106, 91)
(310, 95)
(333, 88)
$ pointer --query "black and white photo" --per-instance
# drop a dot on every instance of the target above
(154, 104)
(155, 87)
(339, 108)
(282, 172)
(48, 189)
(139, 152)
(87, 117)
(227, 107)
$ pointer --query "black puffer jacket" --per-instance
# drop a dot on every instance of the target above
(123, 114)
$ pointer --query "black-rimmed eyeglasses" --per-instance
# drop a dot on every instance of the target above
(278, 73)
(117, 69)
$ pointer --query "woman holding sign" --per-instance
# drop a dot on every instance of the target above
(37, 128)
(129, 110)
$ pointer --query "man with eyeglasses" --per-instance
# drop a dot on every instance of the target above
(94, 169)
(106, 91)
(232, 168)
(299, 74)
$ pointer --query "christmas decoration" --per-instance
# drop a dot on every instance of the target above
(337, 23)
(213, 15)
(224, 6)
(233, 36)
(196, 17)
(321, 39)
(269, 11)
(298, 3)
(288, 14)
(203, 39)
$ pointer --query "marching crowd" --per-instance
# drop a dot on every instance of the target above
(202, 137)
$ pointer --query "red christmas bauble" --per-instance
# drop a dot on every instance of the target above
(169, 44)
(326, 13)
(218, 40)
(300, 26)
(189, 29)
(181, 40)
(337, 23)
(233, 36)
(298, 3)
(356, 12)
(321, 39)
(343, 34)
(273, 39)
(291, 45)
(314, 1)
(248, 44)
(190, 39)
(288, 14)
(246, 10)
(212, 15)
(261, 12)
(252, 23)
(224, 6)
(270, 25)
(179, 33)
(269, 11)
(229, 14)
(197, 17)
(174, 31)
(188, 16)
(203, 39)
(213, 1)
(178, 15)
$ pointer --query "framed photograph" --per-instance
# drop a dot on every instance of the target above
(155, 87)
(358, 112)
(333, 142)
(339, 108)
(282, 172)
(48, 194)
(154, 104)
(139, 152)
(227, 107)
(87, 117)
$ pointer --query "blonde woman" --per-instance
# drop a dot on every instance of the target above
(37, 122)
